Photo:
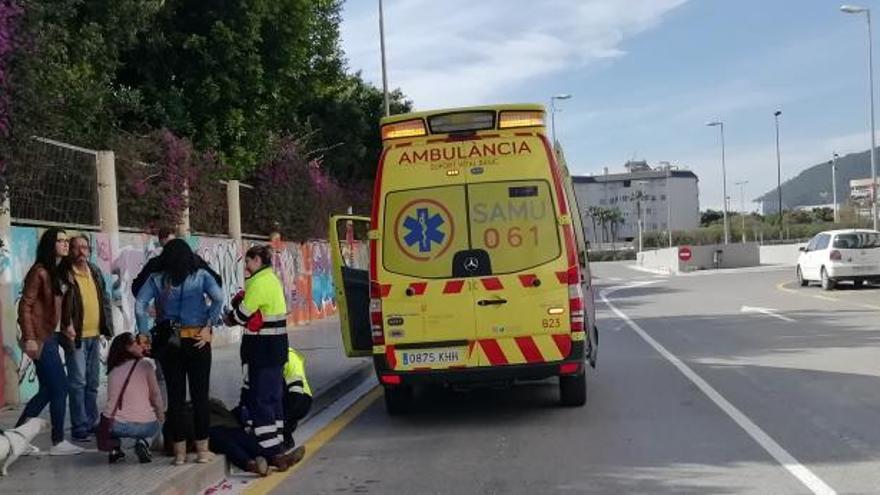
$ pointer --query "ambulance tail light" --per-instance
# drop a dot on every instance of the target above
(376, 324)
(575, 300)
(407, 128)
(390, 379)
(514, 119)
(569, 368)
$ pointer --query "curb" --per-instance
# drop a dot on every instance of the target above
(200, 477)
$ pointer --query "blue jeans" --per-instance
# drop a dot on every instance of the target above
(52, 391)
(137, 431)
(83, 366)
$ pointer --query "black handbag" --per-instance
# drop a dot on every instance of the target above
(165, 334)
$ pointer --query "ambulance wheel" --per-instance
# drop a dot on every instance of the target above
(398, 399)
(573, 389)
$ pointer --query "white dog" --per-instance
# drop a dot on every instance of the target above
(14, 442)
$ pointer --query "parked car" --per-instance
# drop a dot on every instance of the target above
(836, 255)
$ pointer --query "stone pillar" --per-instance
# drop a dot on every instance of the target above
(108, 210)
(183, 228)
(233, 203)
(8, 321)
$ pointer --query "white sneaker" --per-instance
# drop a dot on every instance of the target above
(65, 448)
(31, 450)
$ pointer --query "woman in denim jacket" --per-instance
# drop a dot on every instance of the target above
(179, 289)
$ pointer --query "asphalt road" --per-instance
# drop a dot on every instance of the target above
(693, 394)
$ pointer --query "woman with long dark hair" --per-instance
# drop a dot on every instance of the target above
(179, 290)
(39, 315)
(134, 399)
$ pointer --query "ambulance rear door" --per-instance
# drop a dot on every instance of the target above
(427, 306)
(351, 279)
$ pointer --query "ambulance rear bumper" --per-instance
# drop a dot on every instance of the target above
(573, 364)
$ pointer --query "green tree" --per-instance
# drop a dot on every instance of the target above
(709, 217)
(63, 81)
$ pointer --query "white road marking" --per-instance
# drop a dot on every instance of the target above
(792, 465)
(765, 311)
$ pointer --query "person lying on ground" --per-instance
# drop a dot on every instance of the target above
(228, 436)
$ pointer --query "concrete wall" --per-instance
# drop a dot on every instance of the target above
(304, 269)
(733, 256)
(783, 254)
(665, 260)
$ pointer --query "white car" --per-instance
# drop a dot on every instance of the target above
(836, 255)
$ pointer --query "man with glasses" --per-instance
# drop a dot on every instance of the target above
(86, 319)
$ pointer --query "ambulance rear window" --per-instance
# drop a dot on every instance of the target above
(515, 222)
(424, 228)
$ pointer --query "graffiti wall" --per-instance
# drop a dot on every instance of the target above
(304, 269)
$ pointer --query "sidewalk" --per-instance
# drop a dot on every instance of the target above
(330, 374)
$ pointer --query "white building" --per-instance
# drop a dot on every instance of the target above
(666, 196)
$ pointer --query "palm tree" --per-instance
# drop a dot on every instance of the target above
(603, 221)
(594, 212)
(615, 218)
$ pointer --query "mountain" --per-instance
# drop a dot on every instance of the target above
(808, 187)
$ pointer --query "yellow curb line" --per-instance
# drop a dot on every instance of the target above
(826, 298)
(783, 288)
(266, 485)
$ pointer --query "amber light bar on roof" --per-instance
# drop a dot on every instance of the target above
(462, 122)
(407, 128)
(513, 119)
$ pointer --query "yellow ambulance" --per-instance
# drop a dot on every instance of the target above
(477, 268)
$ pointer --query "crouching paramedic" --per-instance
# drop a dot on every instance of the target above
(297, 396)
(263, 313)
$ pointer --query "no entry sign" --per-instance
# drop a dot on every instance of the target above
(684, 253)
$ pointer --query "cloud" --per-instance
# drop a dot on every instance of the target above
(462, 52)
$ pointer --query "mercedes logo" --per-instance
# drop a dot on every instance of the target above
(471, 264)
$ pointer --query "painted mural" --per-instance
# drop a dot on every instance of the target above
(304, 269)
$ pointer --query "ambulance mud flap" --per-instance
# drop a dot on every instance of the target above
(593, 346)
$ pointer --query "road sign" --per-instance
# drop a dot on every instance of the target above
(684, 253)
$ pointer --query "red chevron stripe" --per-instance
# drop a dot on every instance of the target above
(492, 283)
(563, 342)
(528, 280)
(390, 357)
(562, 277)
(384, 290)
(529, 349)
(418, 288)
(453, 287)
(493, 352)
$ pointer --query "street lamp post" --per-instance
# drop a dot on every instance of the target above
(384, 69)
(720, 125)
(834, 186)
(640, 194)
(668, 204)
(854, 9)
(563, 96)
(742, 206)
(776, 115)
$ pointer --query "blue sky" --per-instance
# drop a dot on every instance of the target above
(645, 75)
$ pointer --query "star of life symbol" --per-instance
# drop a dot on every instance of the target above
(423, 229)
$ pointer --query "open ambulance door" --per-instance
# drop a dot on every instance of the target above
(580, 240)
(349, 250)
